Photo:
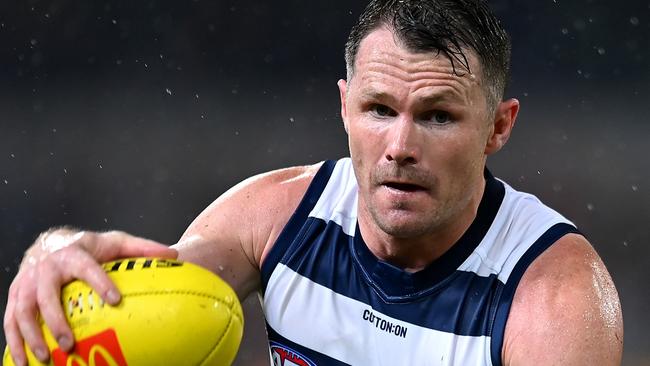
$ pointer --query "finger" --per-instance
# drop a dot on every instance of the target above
(48, 298)
(120, 245)
(12, 333)
(78, 264)
(26, 316)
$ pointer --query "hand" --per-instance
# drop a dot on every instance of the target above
(56, 258)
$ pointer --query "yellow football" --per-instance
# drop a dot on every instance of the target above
(171, 313)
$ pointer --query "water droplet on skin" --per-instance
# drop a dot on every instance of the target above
(221, 268)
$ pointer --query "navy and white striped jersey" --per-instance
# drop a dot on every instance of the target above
(329, 301)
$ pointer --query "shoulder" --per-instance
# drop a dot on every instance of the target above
(566, 310)
(234, 232)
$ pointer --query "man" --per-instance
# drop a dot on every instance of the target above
(408, 252)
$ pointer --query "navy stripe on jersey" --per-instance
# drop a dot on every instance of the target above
(327, 260)
(290, 231)
(315, 357)
(552, 235)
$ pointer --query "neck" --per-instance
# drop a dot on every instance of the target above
(415, 253)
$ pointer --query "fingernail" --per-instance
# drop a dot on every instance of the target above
(41, 354)
(65, 343)
(113, 297)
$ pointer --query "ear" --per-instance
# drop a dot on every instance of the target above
(343, 89)
(504, 121)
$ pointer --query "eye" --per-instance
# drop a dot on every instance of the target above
(438, 117)
(382, 110)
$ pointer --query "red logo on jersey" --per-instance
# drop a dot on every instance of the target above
(283, 356)
(101, 349)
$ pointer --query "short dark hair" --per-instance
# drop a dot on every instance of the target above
(448, 26)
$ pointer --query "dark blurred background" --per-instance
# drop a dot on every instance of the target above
(135, 115)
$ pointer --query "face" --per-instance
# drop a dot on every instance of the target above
(418, 136)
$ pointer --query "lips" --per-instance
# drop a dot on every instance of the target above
(404, 187)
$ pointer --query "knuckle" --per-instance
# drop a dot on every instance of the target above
(23, 310)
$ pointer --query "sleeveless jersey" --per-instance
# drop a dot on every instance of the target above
(329, 301)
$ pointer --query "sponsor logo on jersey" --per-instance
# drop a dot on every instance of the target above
(101, 349)
(284, 356)
(385, 325)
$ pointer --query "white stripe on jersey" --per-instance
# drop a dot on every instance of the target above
(316, 317)
(521, 220)
(338, 202)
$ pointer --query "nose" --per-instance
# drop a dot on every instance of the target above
(403, 147)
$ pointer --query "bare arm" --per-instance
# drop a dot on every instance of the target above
(230, 238)
(565, 311)
(232, 235)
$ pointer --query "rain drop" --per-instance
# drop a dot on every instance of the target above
(590, 207)
(634, 188)
(168, 91)
(601, 51)
(291, 119)
(634, 21)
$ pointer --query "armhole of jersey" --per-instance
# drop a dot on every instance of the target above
(553, 234)
(293, 226)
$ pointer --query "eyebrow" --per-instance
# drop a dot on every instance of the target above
(445, 96)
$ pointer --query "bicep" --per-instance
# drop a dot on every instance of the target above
(565, 311)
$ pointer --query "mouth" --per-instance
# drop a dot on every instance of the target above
(404, 187)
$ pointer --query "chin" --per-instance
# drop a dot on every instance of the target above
(404, 226)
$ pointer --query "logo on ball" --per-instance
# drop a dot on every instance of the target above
(101, 349)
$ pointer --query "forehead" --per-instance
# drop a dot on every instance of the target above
(382, 60)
